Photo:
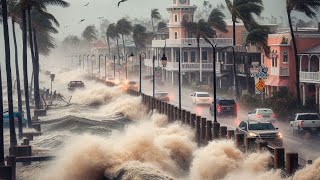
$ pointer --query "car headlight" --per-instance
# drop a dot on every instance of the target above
(279, 135)
(253, 134)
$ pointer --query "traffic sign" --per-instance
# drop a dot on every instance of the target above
(260, 85)
(259, 72)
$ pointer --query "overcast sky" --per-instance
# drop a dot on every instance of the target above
(133, 8)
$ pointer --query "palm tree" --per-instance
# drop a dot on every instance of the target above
(13, 138)
(259, 36)
(309, 8)
(90, 33)
(161, 25)
(112, 33)
(154, 15)
(124, 28)
(139, 35)
(216, 20)
(243, 10)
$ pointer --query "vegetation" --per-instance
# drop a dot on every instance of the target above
(161, 25)
(111, 33)
(309, 8)
(139, 36)
(154, 15)
(90, 33)
(124, 28)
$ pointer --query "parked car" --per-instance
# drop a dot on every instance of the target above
(201, 98)
(225, 106)
(75, 85)
(15, 115)
(260, 130)
(262, 114)
(162, 96)
(305, 122)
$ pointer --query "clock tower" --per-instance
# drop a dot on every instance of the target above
(179, 11)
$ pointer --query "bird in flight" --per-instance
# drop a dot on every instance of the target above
(121, 2)
(81, 20)
(87, 4)
(66, 26)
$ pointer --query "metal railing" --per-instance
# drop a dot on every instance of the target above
(187, 42)
(309, 76)
(282, 71)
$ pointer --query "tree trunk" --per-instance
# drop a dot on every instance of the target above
(13, 138)
(296, 59)
(1, 124)
(31, 89)
(124, 46)
(118, 50)
(234, 61)
(37, 103)
(18, 80)
(25, 64)
(152, 26)
(36, 72)
(108, 39)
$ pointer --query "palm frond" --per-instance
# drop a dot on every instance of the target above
(216, 20)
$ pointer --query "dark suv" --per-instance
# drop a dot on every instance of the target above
(75, 84)
(225, 106)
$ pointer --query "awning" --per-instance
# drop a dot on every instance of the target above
(276, 81)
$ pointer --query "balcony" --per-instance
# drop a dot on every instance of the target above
(174, 66)
(310, 77)
(192, 42)
(275, 71)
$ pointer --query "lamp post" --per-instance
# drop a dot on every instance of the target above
(140, 70)
(99, 63)
(114, 66)
(131, 55)
(153, 76)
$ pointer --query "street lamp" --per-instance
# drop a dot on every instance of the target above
(131, 55)
(153, 76)
(140, 59)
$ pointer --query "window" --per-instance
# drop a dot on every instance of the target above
(274, 59)
(185, 56)
(175, 35)
(204, 80)
(193, 56)
(175, 18)
(285, 57)
(204, 56)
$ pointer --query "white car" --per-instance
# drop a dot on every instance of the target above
(201, 98)
(305, 122)
(262, 115)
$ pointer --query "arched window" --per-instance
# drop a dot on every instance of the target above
(175, 18)
(175, 35)
(285, 57)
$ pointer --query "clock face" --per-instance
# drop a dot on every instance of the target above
(183, 1)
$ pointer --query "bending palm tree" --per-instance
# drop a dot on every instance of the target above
(124, 28)
(139, 35)
(154, 15)
(161, 25)
(111, 33)
(90, 33)
(309, 8)
(243, 10)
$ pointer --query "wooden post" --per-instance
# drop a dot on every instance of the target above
(169, 112)
(223, 132)
(239, 140)
(278, 161)
(250, 144)
(291, 163)
(208, 132)
(193, 120)
(198, 128)
(216, 128)
(183, 116)
(203, 130)
(230, 134)
(188, 117)
(11, 161)
(179, 114)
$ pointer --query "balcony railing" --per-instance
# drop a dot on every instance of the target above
(192, 42)
(310, 77)
(174, 66)
(275, 71)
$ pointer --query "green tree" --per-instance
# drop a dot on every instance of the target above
(258, 35)
(216, 20)
(161, 25)
(243, 10)
(139, 36)
(124, 28)
(112, 33)
(90, 33)
(154, 15)
(309, 8)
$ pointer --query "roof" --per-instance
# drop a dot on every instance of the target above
(313, 50)
(100, 44)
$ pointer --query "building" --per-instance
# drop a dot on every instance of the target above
(282, 65)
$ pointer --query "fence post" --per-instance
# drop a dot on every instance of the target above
(175, 113)
(291, 163)
(250, 144)
(216, 128)
(239, 140)
(223, 132)
(169, 111)
(197, 126)
(203, 130)
(208, 132)
(179, 114)
(183, 116)
(261, 145)
(187, 118)
(11, 161)
(230, 134)
(193, 120)
(278, 160)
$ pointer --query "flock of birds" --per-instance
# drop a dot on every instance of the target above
(88, 5)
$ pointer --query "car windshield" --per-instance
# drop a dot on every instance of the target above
(227, 102)
(265, 111)
(162, 94)
(308, 117)
(261, 126)
(203, 95)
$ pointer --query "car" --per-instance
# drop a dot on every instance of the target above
(110, 79)
(75, 85)
(262, 114)
(162, 96)
(261, 130)
(131, 85)
(201, 98)
(15, 115)
(225, 106)
(305, 122)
